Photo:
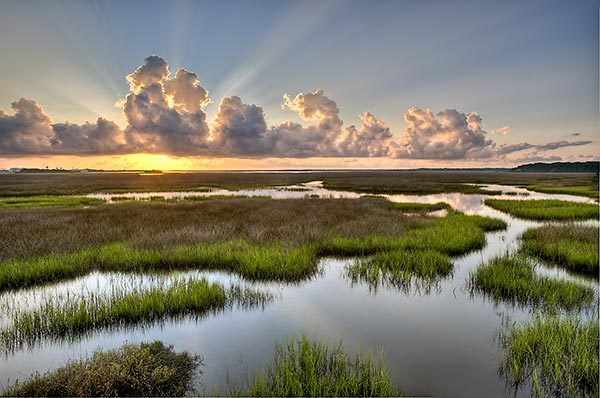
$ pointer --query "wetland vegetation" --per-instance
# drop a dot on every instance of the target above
(268, 249)
(513, 278)
(384, 181)
(401, 269)
(546, 209)
(556, 356)
(21, 202)
(144, 370)
(75, 316)
(305, 368)
(50, 235)
(574, 247)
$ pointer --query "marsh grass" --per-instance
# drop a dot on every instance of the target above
(453, 235)
(552, 356)
(145, 369)
(24, 202)
(402, 269)
(572, 246)
(265, 258)
(75, 316)
(398, 181)
(512, 278)
(255, 262)
(30, 233)
(421, 207)
(545, 209)
(304, 368)
(591, 190)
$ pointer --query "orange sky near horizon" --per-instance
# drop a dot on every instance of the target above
(166, 162)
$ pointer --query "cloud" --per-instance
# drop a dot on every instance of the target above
(448, 135)
(155, 70)
(501, 130)
(240, 129)
(317, 107)
(186, 92)
(165, 115)
(373, 139)
(101, 137)
(560, 144)
(27, 131)
(536, 157)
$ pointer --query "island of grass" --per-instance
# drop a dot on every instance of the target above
(304, 368)
(572, 246)
(140, 370)
(545, 209)
(77, 316)
(512, 278)
(24, 202)
(552, 357)
(401, 269)
(277, 240)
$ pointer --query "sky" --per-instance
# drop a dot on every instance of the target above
(297, 84)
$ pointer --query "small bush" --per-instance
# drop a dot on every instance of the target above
(146, 369)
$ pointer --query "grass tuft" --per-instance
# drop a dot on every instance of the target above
(554, 357)
(401, 269)
(304, 368)
(512, 278)
(145, 369)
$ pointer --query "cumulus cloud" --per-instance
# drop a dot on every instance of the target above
(240, 129)
(28, 130)
(101, 137)
(165, 114)
(155, 70)
(186, 92)
(446, 135)
(372, 139)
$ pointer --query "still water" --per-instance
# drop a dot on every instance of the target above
(441, 342)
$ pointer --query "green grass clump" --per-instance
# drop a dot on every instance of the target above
(453, 235)
(590, 191)
(512, 278)
(421, 207)
(545, 209)
(574, 247)
(76, 316)
(401, 268)
(555, 357)
(264, 262)
(145, 369)
(21, 202)
(310, 369)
